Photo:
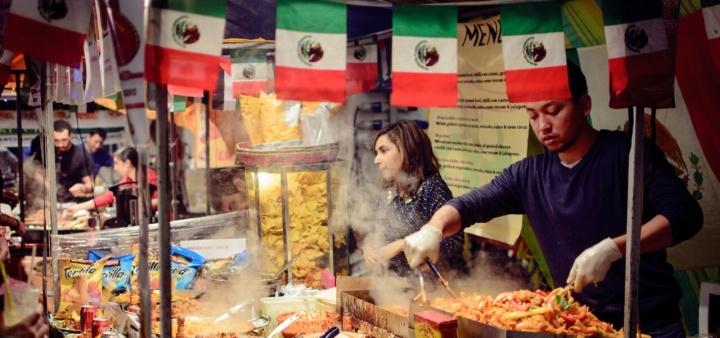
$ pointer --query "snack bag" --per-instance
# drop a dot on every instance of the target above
(80, 284)
(116, 274)
(280, 121)
(153, 266)
(184, 265)
(250, 111)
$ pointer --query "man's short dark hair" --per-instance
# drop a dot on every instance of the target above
(99, 132)
(62, 125)
(576, 81)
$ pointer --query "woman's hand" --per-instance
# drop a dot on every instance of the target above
(4, 251)
(391, 250)
(69, 212)
(374, 258)
(371, 256)
(33, 326)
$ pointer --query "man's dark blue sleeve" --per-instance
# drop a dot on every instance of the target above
(666, 195)
(107, 159)
(502, 196)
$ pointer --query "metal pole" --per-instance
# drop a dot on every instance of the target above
(207, 103)
(286, 221)
(634, 222)
(331, 234)
(21, 177)
(144, 210)
(174, 168)
(163, 211)
(51, 180)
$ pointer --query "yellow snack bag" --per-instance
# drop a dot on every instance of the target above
(80, 284)
(280, 120)
(250, 110)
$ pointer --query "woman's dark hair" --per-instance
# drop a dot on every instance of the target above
(419, 161)
(576, 81)
(127, 153)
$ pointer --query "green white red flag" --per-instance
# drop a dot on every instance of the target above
(534, 52)
(639, 60)
(184, 42)
(311, 36)
(6, 58)
(424, 56)
(250, 69)
(362, 68)
(711, 16)
(53, 31)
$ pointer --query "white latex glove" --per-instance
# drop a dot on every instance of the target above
(592, 265)
(423, 243)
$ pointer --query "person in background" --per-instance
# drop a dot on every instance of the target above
(410, 173)
(11, 199)
(72, 165)
(575, 196)
(8, 168)
(125, 165)
(94, 142)
(33, 325)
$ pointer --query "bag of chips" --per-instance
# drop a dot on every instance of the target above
(80, 284)
(185, 265)
(116, 274)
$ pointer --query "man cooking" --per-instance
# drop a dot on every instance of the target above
(575, 195)
(72, 165)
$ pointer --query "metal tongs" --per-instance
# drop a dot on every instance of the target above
(284, 325)
(440, 277)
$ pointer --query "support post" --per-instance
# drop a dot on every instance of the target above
(634, 221)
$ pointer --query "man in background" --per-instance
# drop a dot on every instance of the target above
(94, 142)
(72, 163)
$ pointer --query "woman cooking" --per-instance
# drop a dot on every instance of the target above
(125, 163)
(410, 171)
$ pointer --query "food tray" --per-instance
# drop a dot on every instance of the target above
(273, 306)
(470, 328)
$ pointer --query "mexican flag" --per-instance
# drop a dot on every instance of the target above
(222, 98)
(53, 31)
(6, 58)
(533, 46)
(310, 50)
(639, 61)
(424, 56)
(250, 69)
(184, 48)
(711, 16)
(362, 68)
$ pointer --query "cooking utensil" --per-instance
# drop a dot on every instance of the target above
(232, 310)
(332, 332)
(284, 325)
(440, 277)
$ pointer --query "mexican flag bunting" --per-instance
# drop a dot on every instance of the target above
(310, 50)
(53, 31)
(424, 56)
(6, 58)
(711, 16)
(362, 68)
(184, 48)
(185, 91)
(223, 96)
(250, 69)
(639, 61)
(533, 46)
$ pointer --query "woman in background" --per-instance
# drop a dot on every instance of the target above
(125, 163)
(410, 173)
